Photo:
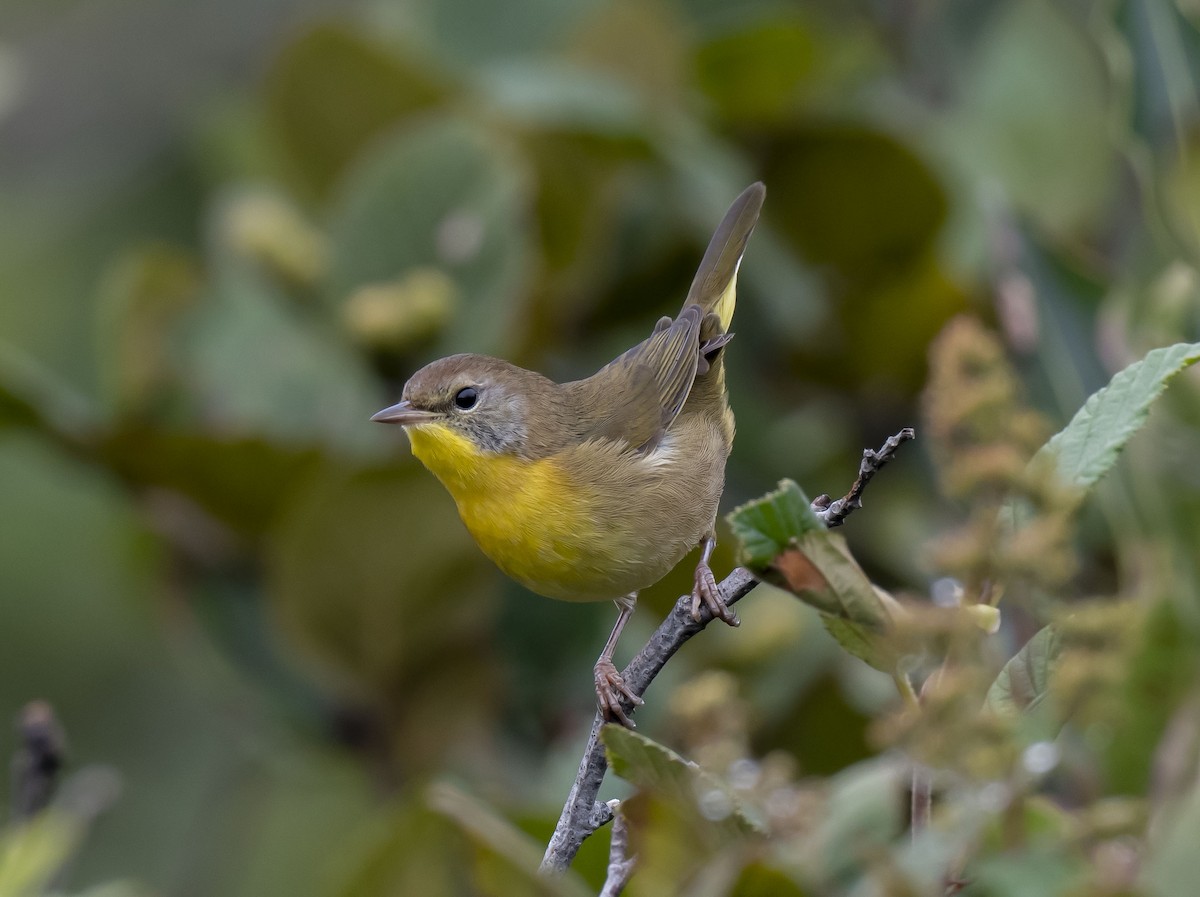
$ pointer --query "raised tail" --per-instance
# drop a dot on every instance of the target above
(714, 288)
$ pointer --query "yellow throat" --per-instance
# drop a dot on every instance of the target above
(525, 515)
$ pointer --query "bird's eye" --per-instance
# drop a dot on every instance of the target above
(466, 397)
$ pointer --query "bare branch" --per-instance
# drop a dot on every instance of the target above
(581, 815)
(834, 513)
(620, 863)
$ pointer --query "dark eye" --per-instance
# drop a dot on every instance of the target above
(466, 397)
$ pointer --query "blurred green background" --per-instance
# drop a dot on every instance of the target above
(229, 231)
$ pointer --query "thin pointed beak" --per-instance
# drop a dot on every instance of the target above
(403, 413)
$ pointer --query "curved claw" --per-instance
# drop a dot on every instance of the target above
(706, 591)
(610, 689)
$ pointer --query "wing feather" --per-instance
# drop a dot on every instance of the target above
(635, 397)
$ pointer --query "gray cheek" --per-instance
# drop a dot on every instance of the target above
(488, 437)
(503, 428)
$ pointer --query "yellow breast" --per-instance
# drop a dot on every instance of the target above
(527, 516)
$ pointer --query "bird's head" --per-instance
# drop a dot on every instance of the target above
(483, 400)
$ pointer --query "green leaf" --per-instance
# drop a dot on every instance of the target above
(468, 32)
(656, 768)
(757, 74)
(760, 880)
(767, 525)
(1040, 870)
(852, 638)
(1032, 118)
(783, 539)
(1086, 449)
(868, 196)
(848, 593)
(867, 644)
(34, 852)
(242, 482)
(258, 367)
(446, 196)
(143, 298)
(33, 396)
(1042, 820)
(1025, 680)
(564, 99)
(346, 596)
(762, 69)
(333, 90)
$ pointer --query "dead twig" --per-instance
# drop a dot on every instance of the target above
(834, 513)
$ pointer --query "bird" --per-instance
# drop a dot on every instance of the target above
(595, 489)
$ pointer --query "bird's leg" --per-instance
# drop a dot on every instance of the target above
(610, 687)
(706, 586)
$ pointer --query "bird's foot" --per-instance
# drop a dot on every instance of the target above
(610, 689)
(706, 590)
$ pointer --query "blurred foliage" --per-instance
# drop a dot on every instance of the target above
(230, 231)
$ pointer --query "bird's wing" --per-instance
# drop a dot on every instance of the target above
(636, 396)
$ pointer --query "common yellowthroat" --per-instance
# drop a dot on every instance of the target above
(595, 489)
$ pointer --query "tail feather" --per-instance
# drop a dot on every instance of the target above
(714, 288)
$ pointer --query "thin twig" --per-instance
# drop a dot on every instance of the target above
(620, 863)
(582, 814)
(38, 760)
(834, 513)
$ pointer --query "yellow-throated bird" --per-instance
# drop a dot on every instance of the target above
(595, 489)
